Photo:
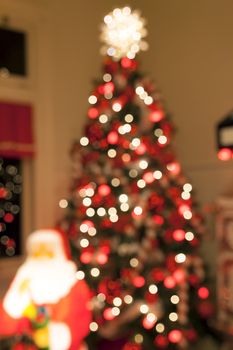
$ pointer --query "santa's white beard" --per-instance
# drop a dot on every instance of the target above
(41, 282)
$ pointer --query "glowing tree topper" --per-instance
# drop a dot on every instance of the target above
(122, 33)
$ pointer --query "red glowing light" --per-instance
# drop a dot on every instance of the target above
(108, 88)
(93, 113)
(178, 235)
(108, 315)
(174, 168)
(148, 324)
(175, 336)
(86, 257)
(102, 258)
(89, 223)
(156, 116)
(183, 208)
(161, 341)
(104, 190)
(141, 149)
(159, 220)
(8, 217)
(138, 281)
(225, 154)
(179, 275)
(126, 157)
(148, 177)
(203, 293)
(113, 137)
(169, 282)
(126, 62)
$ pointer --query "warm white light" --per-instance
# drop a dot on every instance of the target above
(112, 211)
(117, 301)
(185, 195)
(129, 118)
(175, 299)
(114, 218)
(162, 139)
(141, 183)
(122, 33)
(143, 164)
(159, 328)
(115, 311)
(148, 100)
(157, 174)
(153, 289)
(189, 236)
(90, 212)
(124, 206)
(92, 231)
(101, 297)
(90, 192)
(84, 243)
(144, 309)
(92, 99)
(83, 228)
(128, 299)
(139, 90)
(180, 258)
(107, 77)
(133, 173)
(84, 141)
(116, 107)
(87, 201)
(158, 132)
(151, 317)
(138, 210)
(93, 326)
(63, 203)
(138, 338)
(95, 272)
(187, 214)
(112, 153)
(115, 182)
(173, 316)
(134, 262)
(80, 275)
(123, 198)
(103, 118)
(187, 187)
(101, 211)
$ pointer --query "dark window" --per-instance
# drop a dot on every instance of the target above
(10, 207)
(13, 52)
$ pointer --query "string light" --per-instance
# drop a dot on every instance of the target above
(63, 203)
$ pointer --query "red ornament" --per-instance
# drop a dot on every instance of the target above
(86, 257)
(3, 192)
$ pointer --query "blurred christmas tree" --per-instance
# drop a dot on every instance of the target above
(131, 218)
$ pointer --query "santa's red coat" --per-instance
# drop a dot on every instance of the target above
(72, 310)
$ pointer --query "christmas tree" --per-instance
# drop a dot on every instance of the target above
(133, 224)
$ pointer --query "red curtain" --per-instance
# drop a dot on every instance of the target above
(16, 130)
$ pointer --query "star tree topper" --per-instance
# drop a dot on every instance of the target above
(122, 33)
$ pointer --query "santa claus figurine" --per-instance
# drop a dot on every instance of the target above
(46, 299)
